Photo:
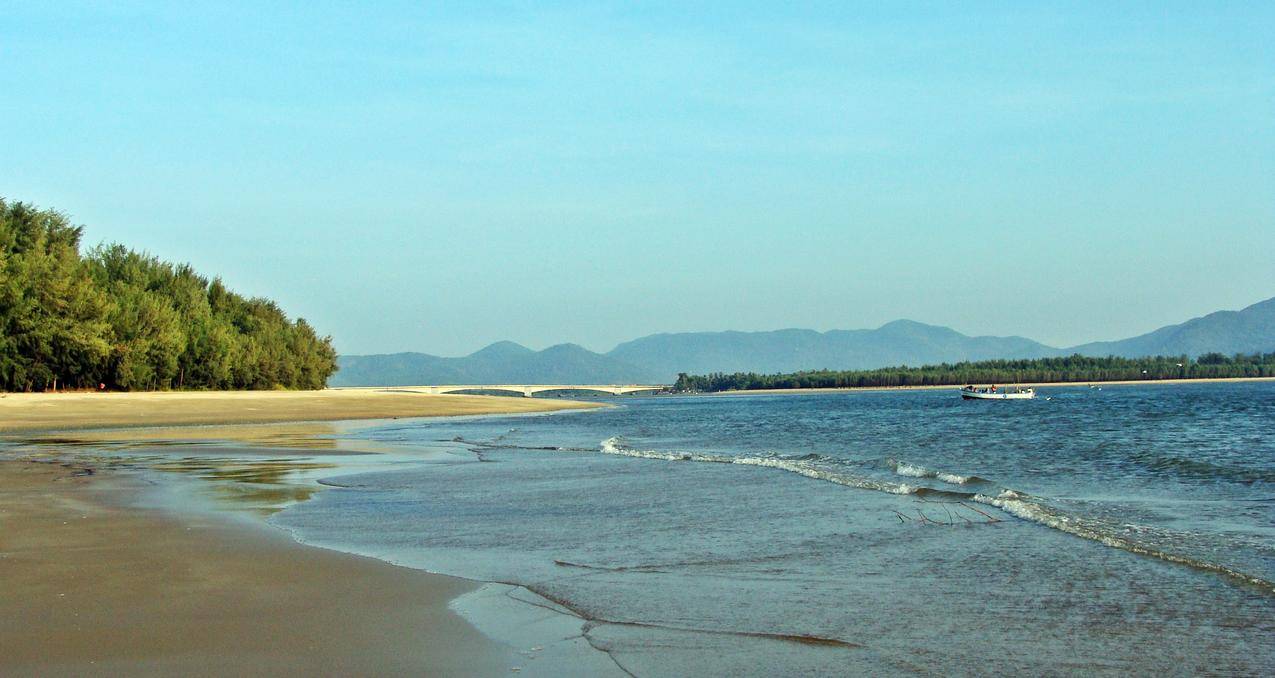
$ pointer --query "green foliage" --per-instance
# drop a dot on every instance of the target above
(1075, 368)
(133, 322)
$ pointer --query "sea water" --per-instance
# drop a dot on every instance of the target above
(1123, 529)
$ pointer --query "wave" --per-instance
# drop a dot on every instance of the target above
(613, 445)
(904, 468)
(1203, 470)
(665, 567)
(1019, 506)
(837, 476)
(804, 465)
(1014, 503)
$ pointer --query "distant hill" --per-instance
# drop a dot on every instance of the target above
(658, 358)
(902, 342)
(1251, 330)
(501, 363)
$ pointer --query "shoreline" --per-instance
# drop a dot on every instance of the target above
(1033, 384)
(52, 412)
(102, 579)
(96, 586)
(161, 574)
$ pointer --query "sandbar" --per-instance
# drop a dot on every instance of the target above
(77, 410)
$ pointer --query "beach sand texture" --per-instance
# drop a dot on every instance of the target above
(65, 411)
(93, 588)
(90, 584)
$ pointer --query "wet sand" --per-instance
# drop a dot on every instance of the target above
(90, 587)
(66, 411)
(90, 584)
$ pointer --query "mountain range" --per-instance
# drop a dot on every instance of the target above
(659, 357)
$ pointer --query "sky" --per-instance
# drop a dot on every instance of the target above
(435, 177)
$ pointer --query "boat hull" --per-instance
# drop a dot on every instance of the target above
(997, 396)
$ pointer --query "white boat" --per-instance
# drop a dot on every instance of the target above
(997, 393)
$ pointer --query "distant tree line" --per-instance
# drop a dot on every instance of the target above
(129, 321)
(1074, 368)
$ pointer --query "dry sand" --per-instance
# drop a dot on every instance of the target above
(64, 411)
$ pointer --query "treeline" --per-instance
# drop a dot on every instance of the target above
(129, 321)
(1075, 368)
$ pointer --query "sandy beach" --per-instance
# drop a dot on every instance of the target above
(94, 585)
(66, 411)
(93, 588)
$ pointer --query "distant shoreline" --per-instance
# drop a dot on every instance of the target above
(1033, 384)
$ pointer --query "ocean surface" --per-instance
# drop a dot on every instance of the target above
(1115, 530)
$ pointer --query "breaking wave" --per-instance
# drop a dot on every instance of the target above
(1017, 504)
(904, 468)
(806, 465)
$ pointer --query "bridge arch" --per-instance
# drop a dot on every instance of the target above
(512, 390)
(529, 390)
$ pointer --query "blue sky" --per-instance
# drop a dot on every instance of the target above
(436, 177)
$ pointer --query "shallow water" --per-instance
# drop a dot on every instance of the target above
(1114, 530)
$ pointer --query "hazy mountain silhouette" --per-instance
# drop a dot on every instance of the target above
(902, 342)
(1251, 330)
(659, 357)
(501, 363)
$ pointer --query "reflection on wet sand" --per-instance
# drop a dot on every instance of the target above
(314, 437)
(264, 486)
(256, 468)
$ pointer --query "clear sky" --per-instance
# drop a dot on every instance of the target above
(434, 178)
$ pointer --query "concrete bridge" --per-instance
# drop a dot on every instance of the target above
(528, 390)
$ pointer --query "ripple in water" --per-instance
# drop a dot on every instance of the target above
(940, 537)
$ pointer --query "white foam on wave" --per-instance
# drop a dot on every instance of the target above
(613, 446)
(1019, 506)
(805, 467)
(1014, 503)
(809, 470)
(904, 468)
